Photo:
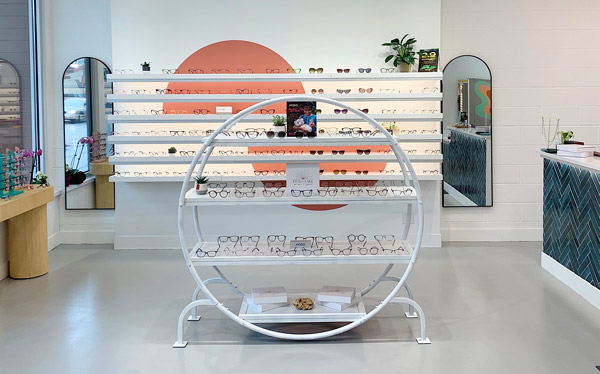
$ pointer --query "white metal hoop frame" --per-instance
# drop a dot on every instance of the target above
(410, 178)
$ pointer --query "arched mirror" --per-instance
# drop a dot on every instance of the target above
(11, 131)
(87, 171)
(467, 140)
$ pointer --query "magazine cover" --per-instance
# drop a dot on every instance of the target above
(302, 117)
(428, 59)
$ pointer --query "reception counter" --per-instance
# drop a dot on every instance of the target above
(572, 223)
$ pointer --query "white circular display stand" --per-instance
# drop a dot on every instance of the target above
(409, 180)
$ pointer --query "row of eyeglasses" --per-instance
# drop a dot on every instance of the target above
(250, 245)
(249, 190)
(264, 91)
(237, 173)
(198, 111)
(272, 70)
(331, 131)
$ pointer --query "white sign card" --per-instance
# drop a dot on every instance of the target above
(302, 180)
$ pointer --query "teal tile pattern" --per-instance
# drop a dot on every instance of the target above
(572, 219)
(465, 164)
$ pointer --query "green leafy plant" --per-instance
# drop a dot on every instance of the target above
(278, 120)
(565, 135)
(403, 51)
(40, 178)
(69, 171)
(201, 179)
(172, 150)
(145, 64)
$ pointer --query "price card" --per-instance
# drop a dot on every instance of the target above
(302, 180)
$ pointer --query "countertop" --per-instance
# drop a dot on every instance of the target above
(588, 163)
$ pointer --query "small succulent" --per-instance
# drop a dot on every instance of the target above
(172, 150)
(201, 179)
(278, 120)
(145, 64)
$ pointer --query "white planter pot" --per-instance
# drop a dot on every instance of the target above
(201, 189)
(172, 154)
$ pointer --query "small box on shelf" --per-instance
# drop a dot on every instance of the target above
(336, 294)
(339, 306)
(269, 295)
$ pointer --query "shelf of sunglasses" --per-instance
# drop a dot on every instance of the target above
(320, 140)
(342, 197)
(274, 77)
(262, 254)
(145, 160)
(242, 178)
(249, 98)
(268, 118)
(188, 139)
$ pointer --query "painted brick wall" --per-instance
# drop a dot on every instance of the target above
(545, 61)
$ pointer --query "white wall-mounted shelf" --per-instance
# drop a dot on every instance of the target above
(241, 98)
(242, 178)
(268, 118)
(157, 160)
(274, 77)
(167, 139)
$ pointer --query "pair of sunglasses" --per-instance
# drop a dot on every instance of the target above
(310, 135)
(363, 151)
(343, 70)
(315, 70)
(319, 152)
(336, 152)
(271, 134)
(314, 91)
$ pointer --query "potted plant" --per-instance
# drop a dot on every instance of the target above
(172, 151)
(403, 56)
(201, 185)
(40, 178)
(278, 120)
(565, 135)
(145, 67)
(391, 127)
(68, 174)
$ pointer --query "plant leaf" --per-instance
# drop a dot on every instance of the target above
(388, 58)
(396, 41)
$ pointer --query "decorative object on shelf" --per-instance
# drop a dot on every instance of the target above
(304, 303)
(172, 151)
(550, 131)
(201, 185)
(279, 120)
(145, 67)
(69, 174)
(428, 60)
(40, 178)
(78, 176)
(565, 135)
(403, 56)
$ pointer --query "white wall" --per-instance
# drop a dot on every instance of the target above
(545, 61)
(71, 29)
(329, 34)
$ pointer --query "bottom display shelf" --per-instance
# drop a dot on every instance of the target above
(289, 314)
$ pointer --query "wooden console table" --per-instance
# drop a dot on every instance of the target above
(27, 232)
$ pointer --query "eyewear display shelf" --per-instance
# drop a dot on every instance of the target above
(205, 253)
(143, 120)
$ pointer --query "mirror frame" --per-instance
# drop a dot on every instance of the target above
(491, 132)
(65, 135)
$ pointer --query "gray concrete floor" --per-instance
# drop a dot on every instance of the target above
(490, 309)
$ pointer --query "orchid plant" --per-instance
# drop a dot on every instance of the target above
(86, 140)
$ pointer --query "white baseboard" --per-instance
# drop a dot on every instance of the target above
(492, 235)
(590, 293)
(87, 237)
(172, 242)
(54, 241)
